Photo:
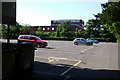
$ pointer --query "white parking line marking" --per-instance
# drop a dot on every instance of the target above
(82, 51)
(52, 59)
(67, 77)
(86, 49)
(56, 58)
(70, 68)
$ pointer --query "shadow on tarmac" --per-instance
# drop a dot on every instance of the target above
(49, 48)
(47, 71)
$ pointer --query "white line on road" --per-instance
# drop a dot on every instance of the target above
(86, 49)
(56, 58)
(70, 68)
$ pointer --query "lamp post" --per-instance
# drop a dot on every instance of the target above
(8, 31)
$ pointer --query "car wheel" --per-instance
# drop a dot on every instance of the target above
(91, 43)
(35, 48)
(75, 43)
(97, 42)
(38, 45)
(88, 44)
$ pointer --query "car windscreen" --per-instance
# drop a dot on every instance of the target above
(23, 37)
(38, 38)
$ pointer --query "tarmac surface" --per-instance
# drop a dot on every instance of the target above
(61, 60)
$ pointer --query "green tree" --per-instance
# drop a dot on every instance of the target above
(14, 30)
(18, 26)
(93, 27)
(79, 33)
(26, 29)
(4, 31)
(110, 18)
(63, 29)
(38, 32)
(110, 12)
(115, 29)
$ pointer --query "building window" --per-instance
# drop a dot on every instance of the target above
(53, 29)
(54, 24)
(76, 29)
(48, 28)
(43, 28)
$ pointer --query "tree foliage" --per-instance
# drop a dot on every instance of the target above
(38, 32)
(111, 19)
(110, 12)
(15, 30)
(106, 24)
(26, 29)
(4, 31)
(63, 29)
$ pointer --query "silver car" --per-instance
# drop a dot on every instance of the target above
(83, 41)
(93, 40)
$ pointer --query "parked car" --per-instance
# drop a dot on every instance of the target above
(93, 40)
(36, 41)
(82, 41)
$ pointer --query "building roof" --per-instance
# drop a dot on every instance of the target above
(71, 20)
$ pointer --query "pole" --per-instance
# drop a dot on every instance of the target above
(8, 31)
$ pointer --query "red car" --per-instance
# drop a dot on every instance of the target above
(36, 41)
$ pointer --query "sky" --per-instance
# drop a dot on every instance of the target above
(41, 12)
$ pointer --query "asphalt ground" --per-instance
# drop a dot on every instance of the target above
(61, 60)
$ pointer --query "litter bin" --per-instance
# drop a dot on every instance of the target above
(9, 53)
(25, 59)
(17, 61)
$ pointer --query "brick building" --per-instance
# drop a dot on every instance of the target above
(75, 24)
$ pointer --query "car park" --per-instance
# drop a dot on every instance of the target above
(82, 41)
(35, 40)
(93, 40)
